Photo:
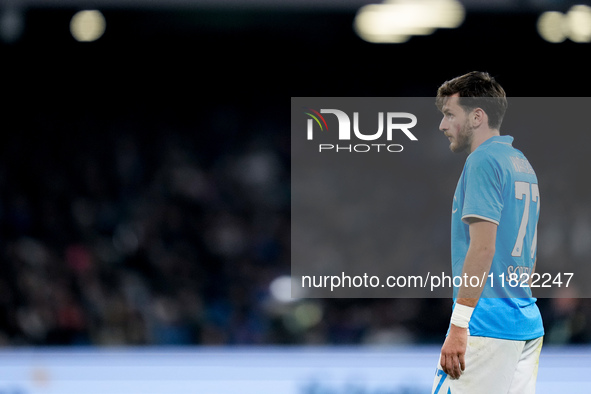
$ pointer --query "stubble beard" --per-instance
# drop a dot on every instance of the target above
(463, 140)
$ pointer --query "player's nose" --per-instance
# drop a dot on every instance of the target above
(444, 125)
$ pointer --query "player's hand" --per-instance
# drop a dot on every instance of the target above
(453, 352)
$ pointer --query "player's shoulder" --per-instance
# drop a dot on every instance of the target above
(496, 152)
(484, 156)
(501, 160)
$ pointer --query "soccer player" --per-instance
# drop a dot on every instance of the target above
(495, 335)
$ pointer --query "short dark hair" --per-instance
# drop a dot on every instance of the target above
(476, 89)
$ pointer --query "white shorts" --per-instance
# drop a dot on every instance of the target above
(494, 366)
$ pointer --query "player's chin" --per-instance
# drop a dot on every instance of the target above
(456, 148)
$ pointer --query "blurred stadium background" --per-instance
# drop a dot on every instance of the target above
(145, 170)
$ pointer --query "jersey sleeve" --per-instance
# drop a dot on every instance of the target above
(483, 189)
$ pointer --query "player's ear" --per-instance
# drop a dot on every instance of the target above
(478, 117)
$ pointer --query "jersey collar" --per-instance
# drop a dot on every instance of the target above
(499, 139)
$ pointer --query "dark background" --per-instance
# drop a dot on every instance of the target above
(144, 177)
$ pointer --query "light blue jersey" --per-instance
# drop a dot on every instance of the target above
(499, 185)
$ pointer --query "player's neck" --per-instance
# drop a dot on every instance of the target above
(482, 135)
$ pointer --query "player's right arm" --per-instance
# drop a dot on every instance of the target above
(478, 261)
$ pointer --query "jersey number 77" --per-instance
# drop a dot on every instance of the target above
(530, 193)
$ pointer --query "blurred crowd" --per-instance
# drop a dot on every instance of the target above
(155, 227)
(136, 229)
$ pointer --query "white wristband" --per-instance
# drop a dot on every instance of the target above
(461, 315)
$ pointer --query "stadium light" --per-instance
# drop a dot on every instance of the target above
(556, 27)
(281, 289)
(395, 21)
(579, 23)
(551, 26)
(87, 25)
